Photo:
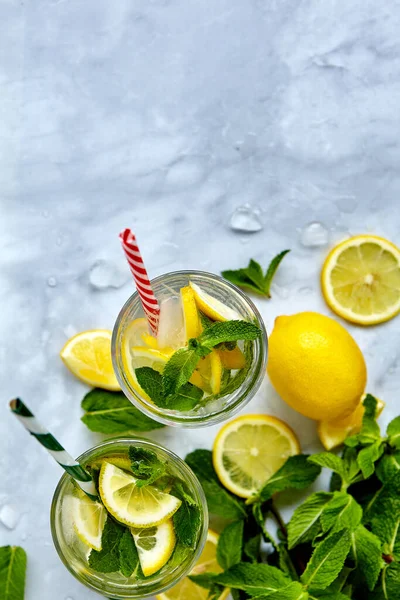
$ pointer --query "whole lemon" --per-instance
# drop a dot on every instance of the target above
(316, 366)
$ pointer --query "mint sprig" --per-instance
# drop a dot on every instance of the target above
(12, 572)
(145, 465)
(253, 278)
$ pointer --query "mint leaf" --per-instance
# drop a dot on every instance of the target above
(230, 543)
(330, 461)
(367, 554)
(293, 591)
(391, 581)
(370, 431)
(327, 561)
(107, 559)
(297, 472)
(285, 562)
(187, 519)
(12, 573)
(236, 381)
(393, 432)
(219, 500)
(275, 262)
(205, 321)
(186, 398)
(150, 381)
(179, 369)
(128, 556)
(260, 521)
(305, 522)
(111, 412)
(255, 273)
(145, 465)
(368, 456)
(252, 548)
(228, 331)
(388, 466)
(241, 279)
(255, 579)
(383, 516)
(341, 512)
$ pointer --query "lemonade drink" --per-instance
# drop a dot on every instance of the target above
(191, 373)
(147, 529)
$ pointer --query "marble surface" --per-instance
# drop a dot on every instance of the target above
(165, 116)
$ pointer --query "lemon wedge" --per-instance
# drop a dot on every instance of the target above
(150, 357)
(88, 356)
(89, 518)
(251, 448)
(207, 563)
(136, 507)
(232, 359)
(212, 307)
(190, 315)
(360, 280)
(155, 546)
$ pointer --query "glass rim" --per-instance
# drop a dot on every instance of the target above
(172, 418)
(119, 590)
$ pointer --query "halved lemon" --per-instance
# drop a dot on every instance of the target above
(88, 356)
(251, 448)
(190, 315)
(333, 433)
(232, 359)
(89, 518)
(361, 280)
(155, 546)
(129, 504)
(207, 563)
(212, 307)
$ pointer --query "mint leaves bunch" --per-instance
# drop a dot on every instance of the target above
(339, 544)
(172, 388)
(253, 278)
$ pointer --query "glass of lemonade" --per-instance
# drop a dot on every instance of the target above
(148, 528)
(222, 379)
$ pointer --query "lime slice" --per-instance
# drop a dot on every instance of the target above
(212, 307)
(137, 507)
(88, 518)
(155, 546)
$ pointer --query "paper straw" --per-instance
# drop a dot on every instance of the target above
(53, 447)
(142, 281)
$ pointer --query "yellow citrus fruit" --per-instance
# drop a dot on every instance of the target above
(155, 546)
(316, 366)
(190, 315)
(134, 506)
(333, 433)
(211, 306)
(360, 280)
(232, 359)
(207, 563)
(251, 448)
(89, 518)
(88, 356)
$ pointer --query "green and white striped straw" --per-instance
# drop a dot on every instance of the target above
(65, 460)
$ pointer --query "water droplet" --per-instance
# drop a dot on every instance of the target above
(314, 234)
(346, 204)
(45, 214)
(51, 281)
(304, 291)
(246, 218)
(59, 240)
(9, 517)
(105, 274)
(23, 536)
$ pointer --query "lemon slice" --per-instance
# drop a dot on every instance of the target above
(118, 460)
(232, 359)
(137, 333)
(207, 563)
(333, 433)
(88, 356)
(155, 546)
(251, 448)
(208, 373)
(190, 315)
(150, 357)
(212, 307)
(129, 504)
(361, 280)
(216, 372)
(88, 518)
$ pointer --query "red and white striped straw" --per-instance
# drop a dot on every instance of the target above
(142, 281)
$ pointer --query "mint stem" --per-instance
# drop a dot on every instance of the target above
(274, 511)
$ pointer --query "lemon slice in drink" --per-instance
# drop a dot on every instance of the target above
(207, 563)
(155, 546)
(232, 359)
(212, 307)
(190, 315)
(137, 333)
(118, 460)
(88, 356)
(89, 518)
(208, 373)
(361, 280)
(251, 448)
(150, 357)
(131, 505)
(333, 433)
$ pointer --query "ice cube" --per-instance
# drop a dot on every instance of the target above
(105, 274)
(51, 281)
(246, 218)
(9, 517)
(314, 234)
(171, 327)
